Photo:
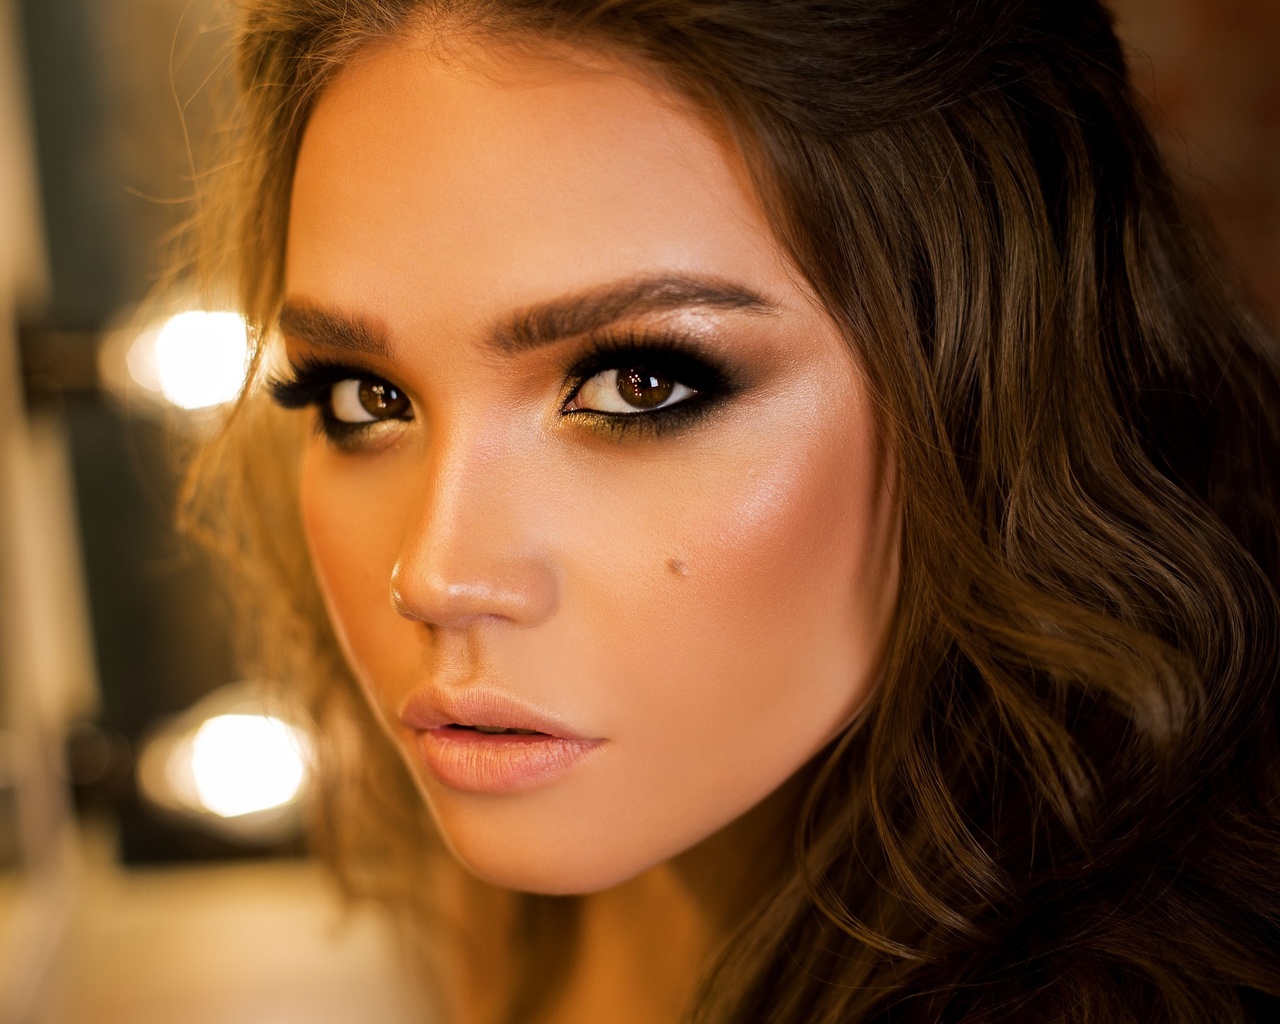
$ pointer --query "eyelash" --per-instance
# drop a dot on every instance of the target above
(669, 355)
(311, 382)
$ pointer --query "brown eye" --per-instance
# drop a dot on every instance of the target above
(630, 391)
(381, 400)
(644, 389)
(366, 401)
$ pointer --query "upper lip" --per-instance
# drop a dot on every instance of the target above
(433, 708)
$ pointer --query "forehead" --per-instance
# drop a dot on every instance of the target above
(430, 188)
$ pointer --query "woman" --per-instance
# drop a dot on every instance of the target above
(788, 530)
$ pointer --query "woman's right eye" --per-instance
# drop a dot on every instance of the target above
(350, 402)
(366, 400)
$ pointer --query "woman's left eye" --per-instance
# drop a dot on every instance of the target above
(629, 390)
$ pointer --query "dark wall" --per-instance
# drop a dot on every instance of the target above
(116, 86)
(1211, 69)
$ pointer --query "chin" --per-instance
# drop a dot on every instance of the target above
(567, 840)
(543, 865)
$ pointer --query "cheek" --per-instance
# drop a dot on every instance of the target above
(778, 558)
(353, 544)
(736, 623)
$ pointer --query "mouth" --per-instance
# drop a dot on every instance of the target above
(484, 741)
(494, 730)
(483, 710)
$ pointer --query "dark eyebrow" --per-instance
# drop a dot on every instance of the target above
(593, 310)
(567, 317)
(326, 329)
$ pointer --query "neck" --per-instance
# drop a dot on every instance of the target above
(644, 945)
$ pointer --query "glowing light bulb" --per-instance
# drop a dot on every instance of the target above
(246, 763)
(196, 359)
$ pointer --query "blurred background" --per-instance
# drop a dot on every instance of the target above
(151, 865)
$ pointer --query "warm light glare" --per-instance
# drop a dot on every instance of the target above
(246, 763)
(196, 359)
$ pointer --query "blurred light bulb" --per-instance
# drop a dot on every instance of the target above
(245, 763)
(196, 359)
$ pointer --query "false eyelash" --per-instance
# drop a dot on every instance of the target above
(669, 354)
(310, 384)
(310, 381)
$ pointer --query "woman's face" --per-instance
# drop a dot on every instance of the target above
(592, 463)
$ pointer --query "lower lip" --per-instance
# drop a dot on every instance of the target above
(477, 762)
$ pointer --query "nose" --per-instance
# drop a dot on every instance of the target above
(471, 551)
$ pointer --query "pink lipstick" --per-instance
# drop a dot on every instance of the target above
(483, 741)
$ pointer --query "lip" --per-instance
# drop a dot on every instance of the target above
(496, 763)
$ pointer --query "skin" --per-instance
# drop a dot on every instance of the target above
(711, 602)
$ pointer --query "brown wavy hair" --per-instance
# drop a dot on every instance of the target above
(1063, 803)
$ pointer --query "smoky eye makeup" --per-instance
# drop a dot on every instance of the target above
(622, 385)
(648, 383)
(350, 401)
